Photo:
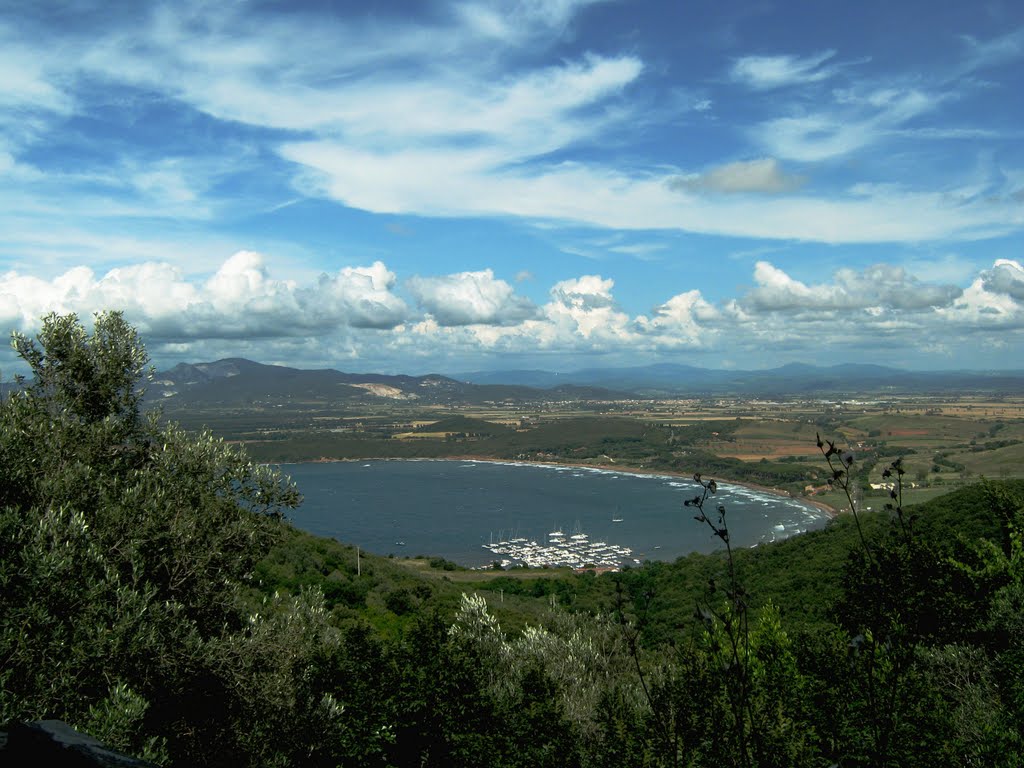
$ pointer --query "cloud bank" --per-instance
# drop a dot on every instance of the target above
(364, 315)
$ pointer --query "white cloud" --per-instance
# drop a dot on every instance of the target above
(442, 116)
(584, 308)
(762, 175)
(989, 303)
(1005, 277)
(468, 298)
(355, 317)
(363, 296)
(584, 293)
(582, 317)
(983, 54)
(640, 251)
(512, 22)
(143, 291)
(879, 286)
(685, 320)
(28, 73)
(767, 72)
(407, 182)
(856, 120)
(388, 81)
(241, 299)
(883, 314)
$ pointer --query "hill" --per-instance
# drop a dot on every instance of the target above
(241, 382)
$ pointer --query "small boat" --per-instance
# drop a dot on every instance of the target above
(399, 543)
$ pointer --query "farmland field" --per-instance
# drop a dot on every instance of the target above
(942, 442)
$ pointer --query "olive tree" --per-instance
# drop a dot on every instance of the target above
(126, 548)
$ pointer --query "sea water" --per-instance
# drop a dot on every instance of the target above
(454, 508)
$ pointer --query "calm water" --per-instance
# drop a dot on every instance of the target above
(452, 508)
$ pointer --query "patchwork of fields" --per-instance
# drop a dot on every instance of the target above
(943, 442)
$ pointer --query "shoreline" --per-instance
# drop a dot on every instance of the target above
(830, 512)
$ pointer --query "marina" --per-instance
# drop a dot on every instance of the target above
(574, 551)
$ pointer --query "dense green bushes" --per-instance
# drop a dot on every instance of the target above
(125, 550)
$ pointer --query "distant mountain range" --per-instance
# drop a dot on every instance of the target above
(236, 381)
(792, 379)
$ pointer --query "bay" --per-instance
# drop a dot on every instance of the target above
(453, 508)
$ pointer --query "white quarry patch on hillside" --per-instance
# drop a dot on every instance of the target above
(385, 390)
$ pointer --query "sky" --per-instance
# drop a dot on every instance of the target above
(434, 186)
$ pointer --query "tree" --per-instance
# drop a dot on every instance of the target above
(126, 547)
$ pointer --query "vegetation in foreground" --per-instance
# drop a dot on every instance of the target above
(152, 595)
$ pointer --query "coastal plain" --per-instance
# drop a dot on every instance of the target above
(944, 442)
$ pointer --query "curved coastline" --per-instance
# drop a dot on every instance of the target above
(826, 509)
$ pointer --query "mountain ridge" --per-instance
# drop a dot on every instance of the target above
(238, 381)
(235, 381)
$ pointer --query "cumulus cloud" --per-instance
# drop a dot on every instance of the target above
(469, 298)
(582, 317)
(761, 175)
(882, 313)
(992, 302)
(880, 285)
(1006, 277)
(240, 300)
(585, 293)
(153, 290)
(363, 296)
(584, 308)
(685, 320)
(355, 315)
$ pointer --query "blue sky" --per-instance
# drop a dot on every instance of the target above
(453, 186)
